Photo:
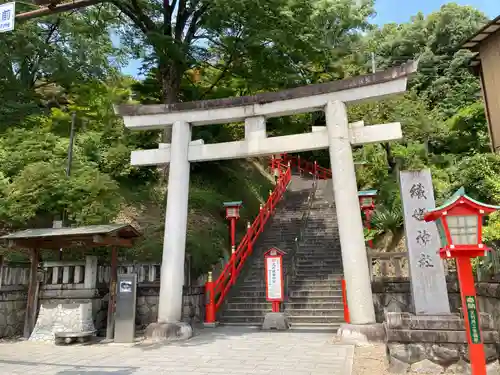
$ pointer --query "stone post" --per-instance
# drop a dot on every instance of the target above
(354, 257)
(90, 278)
(169, 325)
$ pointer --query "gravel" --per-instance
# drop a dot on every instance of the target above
(370, 360)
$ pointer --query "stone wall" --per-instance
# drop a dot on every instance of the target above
(394, 295)
(84, 282)
(12, 311)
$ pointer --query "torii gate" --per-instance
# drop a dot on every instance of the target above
(337, 136)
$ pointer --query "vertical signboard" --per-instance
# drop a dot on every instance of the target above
(274, 275)
(7, 16)
(428, 282)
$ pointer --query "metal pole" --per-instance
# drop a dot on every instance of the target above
(374, 66)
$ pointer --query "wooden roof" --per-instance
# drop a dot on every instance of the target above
(85, 236)
(474, 42)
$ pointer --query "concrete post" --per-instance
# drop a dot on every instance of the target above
(354, 257)
(174, 242)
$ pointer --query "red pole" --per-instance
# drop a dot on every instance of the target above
(368, 215)
(276, 306)
(233, 265)
(471, 316)
(347, 317)
(249, 236)
(210, 308)
(233, 232)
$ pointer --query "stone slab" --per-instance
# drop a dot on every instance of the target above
(358, 334)
(175, 331)
(433, 322)
(436, 336)
(276, 320)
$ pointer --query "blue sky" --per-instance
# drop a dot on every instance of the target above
(396, 11)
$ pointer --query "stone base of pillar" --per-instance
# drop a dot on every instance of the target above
(177, 331)
(361, 334)
(275, 320)
(210, 325)
(435, 344)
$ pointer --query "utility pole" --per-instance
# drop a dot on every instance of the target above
(60, 224)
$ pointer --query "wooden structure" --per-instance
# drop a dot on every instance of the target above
(486, 44)
(48, 7)
(34, 240)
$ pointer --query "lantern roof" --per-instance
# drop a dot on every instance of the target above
(273, 251)
(367, 193)
(459, 198)
(233, 204)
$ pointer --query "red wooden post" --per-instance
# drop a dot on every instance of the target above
(368, 216)
(233, 231)
(261, 218)
(315, 168)
(249, 236)
(471, 315)
(347, 318)
(210, 308)
(233, 264)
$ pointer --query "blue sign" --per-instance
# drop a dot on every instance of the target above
(7, 16)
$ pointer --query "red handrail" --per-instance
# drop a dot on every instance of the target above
(310, 167)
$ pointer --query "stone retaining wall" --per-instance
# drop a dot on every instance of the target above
(13, 305)
(394, 295)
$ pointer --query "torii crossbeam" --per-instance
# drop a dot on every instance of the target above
(338, 136)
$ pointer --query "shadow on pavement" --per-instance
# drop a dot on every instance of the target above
(76, 369)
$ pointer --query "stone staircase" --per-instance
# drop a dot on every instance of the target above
(314, 284)
(315, 292)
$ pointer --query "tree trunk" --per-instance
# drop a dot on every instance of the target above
(170, 75)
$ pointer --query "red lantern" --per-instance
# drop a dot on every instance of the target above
(460, 223)
(233, 214)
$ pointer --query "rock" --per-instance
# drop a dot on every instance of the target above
(398, 367)
(426, 367)
(444, 354)
(460, 367)
(408, 353)
(493, 368)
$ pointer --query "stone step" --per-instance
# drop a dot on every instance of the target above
(239, 319)
(313, 305)
(308, 284)
(325, 319)
(316, 276)
(322, 327)
(316, 312)
(247, 305)
(336, 298)
(316, 292)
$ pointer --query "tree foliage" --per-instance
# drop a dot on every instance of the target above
(57, 66)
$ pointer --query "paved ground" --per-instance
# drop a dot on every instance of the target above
(224, 350)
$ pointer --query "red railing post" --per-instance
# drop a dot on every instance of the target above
(315, 168)
(233, 265)
(249, 236)
(276, 306)
(261, 218)
(347, 318)
(271, 200)
(210, 308)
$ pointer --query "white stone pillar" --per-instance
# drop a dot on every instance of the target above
(174, 242)
(354, 257)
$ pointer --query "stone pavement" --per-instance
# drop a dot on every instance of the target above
(224, 350)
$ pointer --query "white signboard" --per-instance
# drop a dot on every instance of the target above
(274, 287)
(7, 16)
(428, 282)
